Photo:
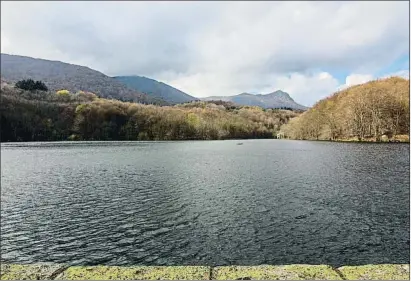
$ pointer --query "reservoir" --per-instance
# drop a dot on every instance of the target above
(205, 203)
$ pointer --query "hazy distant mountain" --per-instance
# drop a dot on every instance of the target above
(155, 89)
(59, 75)
(277, 99)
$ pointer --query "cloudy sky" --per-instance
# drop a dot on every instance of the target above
(309, 49)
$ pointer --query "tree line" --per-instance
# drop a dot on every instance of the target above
(371, 111)
(37, 115)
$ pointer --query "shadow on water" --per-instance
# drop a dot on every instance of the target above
(205, 203)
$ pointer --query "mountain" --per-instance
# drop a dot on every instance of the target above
(374, 111)
(155, 89)
(59, 75)
(277, 99)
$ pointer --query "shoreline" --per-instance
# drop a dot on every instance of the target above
(353, 141)
(188, 140)
(50, 271)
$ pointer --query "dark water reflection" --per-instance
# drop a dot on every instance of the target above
(208, 203)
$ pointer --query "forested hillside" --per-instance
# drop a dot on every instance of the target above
(51, 116)
(59, 75)
(374, 111)
(155, 89)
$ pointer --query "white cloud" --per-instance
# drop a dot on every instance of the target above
(216, 48)
(5, 43)
(302, 87)
(402, 73)
(354, 79)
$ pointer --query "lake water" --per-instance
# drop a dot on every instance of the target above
(205, 203)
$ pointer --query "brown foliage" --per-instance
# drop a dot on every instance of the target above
(31, 116)
(366, 111)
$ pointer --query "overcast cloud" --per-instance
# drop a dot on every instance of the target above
(309, 49)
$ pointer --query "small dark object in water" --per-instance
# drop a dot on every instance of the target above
(301, 217)
(240, 143)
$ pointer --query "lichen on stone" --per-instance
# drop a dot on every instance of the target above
(272, 272)
(136, 272)
(28, 272)
(261, 272)
(376, 272)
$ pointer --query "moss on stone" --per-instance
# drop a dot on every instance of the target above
(271, 272)
(376, 272)
(28, 272)
(136, 273)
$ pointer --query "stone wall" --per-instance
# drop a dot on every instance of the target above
(262, 272)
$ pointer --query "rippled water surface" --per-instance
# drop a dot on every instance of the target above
(208, 203)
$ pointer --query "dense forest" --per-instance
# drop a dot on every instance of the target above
(36, 115)
(374, 111)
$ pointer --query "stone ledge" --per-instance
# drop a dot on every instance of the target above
(376, 272)
(41, 271)
(136, 272)
(262, 272)
(276, 272)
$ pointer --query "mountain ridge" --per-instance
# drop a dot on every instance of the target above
(154, 88)
(59, 75)
(276, 99)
